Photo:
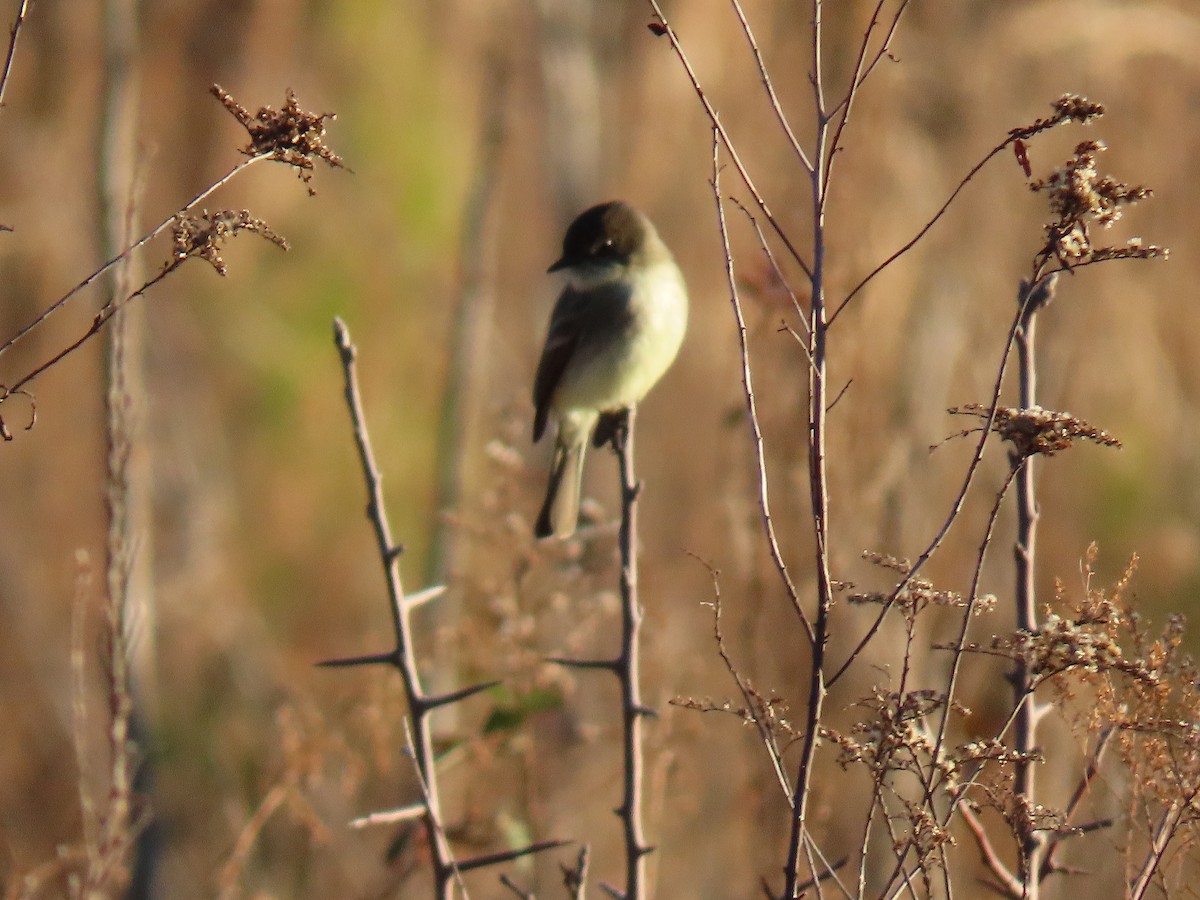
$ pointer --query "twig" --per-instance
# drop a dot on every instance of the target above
(956, 506)
(575, 877)
(1031, 298)
(766, 248)
(518, 891)
(1010, 883)
(403, 659)
(754, 705)
(12, 46)
(924, 230)
(1163, 833)
(194, 237)
(713, 118)
(1081, 791)
(769, 87)
(817, 477)
(862, 71)
(445, 868)
(760, 458)
(231, 872)
(124, 254)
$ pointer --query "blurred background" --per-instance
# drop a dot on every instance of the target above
(475, 132)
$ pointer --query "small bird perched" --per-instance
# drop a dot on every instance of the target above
(614, 331)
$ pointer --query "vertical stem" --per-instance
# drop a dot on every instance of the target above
(127, 490)
(632, 707)
(1032, 298)
(818, 477)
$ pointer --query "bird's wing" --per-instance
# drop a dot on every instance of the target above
(583, 324)
(566, 325)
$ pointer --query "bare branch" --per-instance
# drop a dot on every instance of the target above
(136, 245)
(751, 406)
(862, 71)
(664, 28)
(769, 86)
(1009, 882)
(22, 11)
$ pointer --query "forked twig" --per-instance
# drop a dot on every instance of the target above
(124, 254)
(664, 27)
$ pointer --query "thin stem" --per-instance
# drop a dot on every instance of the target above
(861, 72)
(22, 11)
(769, 86)
(817, 477)
(420, 740)
(924, 230)
(106, 313)
(956, 507)
(760, 458)
(124, 254)
(711, 112)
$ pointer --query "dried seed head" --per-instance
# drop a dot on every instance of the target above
(1036, 430)
(290, 135)
(201, 236)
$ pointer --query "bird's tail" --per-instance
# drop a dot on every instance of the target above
(560, 511)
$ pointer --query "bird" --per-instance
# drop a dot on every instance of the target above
(615, 330)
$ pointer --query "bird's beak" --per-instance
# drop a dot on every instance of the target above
(558, 265)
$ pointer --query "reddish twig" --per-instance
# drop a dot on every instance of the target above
(22, 11)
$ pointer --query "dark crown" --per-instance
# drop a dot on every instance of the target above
(612, 231)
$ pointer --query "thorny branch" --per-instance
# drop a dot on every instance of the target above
(419, 738)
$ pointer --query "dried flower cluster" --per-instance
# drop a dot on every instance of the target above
(1157, 715)
(1036, 430)
(895, 736)
(1065, 643)
(1067, 108)
(201, 236)
(769, 712)
(290, 135)
(917, 593)
(1087, 638)
(1079, 198)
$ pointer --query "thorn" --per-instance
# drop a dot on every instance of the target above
(391, 816)
(391, 658)
(492, 859)
(412, 601)
(455, 696)
(611, 665)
